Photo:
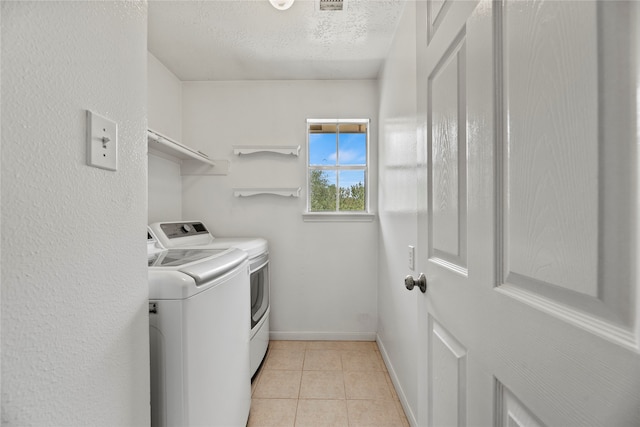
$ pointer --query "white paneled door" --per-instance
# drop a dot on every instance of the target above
(528, 225)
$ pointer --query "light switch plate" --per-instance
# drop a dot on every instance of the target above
(412, 254)
(102, 142)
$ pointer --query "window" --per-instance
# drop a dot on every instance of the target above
(338, 166)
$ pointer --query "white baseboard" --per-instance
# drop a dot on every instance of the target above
(411, 417)
(322, 336)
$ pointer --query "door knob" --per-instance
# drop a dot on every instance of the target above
(410, 282)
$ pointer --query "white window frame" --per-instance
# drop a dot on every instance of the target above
(338, 215)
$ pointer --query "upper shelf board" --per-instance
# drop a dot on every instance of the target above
(162, 143)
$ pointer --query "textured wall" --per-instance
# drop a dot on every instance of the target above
(164, 100)
(397, 309)
(323, 274)
(165, 189)
(74, 278)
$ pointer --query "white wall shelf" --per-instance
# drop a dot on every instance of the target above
(167, 145)
(293, 150)
(283, 192)
(192, 162)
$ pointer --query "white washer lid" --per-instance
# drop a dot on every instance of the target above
(181, 280)
(181, 256)
(254, 246)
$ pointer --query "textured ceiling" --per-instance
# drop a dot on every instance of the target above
(251, 40)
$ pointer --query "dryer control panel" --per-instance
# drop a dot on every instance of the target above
(182, 229)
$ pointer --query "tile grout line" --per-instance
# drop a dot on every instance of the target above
(344, 384)
(304, 356)
(344, 387)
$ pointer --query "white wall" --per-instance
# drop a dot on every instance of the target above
(165, 189)
(323, 275)
(74, 278)
(397, 308)
(164, 99)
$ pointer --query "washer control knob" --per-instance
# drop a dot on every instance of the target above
(185, 228)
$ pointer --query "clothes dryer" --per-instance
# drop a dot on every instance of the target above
(194, 234)
(199, 336)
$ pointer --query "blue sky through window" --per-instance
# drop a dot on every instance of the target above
(353, 149)
(350, 178)
(322, 149)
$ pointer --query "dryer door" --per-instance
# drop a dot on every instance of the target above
(259, 288)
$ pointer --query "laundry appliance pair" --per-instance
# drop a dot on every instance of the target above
(209, 322)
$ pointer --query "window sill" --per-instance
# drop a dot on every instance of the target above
(337, 217)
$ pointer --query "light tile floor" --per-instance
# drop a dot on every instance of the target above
(324, 383)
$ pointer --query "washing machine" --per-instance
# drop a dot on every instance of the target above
(194, 234)
(198, 336)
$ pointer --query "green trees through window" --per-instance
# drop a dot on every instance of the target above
(323, 194)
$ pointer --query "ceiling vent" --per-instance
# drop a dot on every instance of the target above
(332, 4)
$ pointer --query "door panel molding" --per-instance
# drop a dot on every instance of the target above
(510, 412)
(447, 168)
(619, 335)
(552, 259)
(447, 377)
(436, 12)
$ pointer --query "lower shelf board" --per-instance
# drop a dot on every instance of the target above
(282, 192)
